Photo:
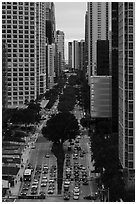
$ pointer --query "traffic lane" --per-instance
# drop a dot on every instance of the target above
(84, 143)
(83, 188)
(38, 158)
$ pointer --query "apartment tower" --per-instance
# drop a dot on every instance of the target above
(23, 30)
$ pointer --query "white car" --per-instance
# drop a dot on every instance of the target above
(51, 181)
(76, 189)
(76, 193)
(75, 197)
(67, 182)
(43, 184)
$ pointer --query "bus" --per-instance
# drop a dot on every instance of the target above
(27, 175)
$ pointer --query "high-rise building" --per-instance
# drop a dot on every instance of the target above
(75, 55)
(24, 32)
(114, 65)
(126, 53)
(98, 26)
(51, 65)
(51, 35)
(86, 45)
(98, 36)
(81, 54)
(50, 22)
(70, 54)
(102, 57)
(4, 75)
(60, 50)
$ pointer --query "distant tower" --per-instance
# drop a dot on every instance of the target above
(60, 50)
(81, 54)
(75, 55)
(70, 54)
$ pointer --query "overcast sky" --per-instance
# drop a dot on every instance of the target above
(70, 18)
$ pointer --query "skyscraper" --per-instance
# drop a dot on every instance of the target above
(4, 75)
(98, 36)
(24, 32)
(126, 53)
(102, 57)
(75, 55)
(81, 54)
(50, 22)
(60, 50)
(97, 30)
(86, 45)
(51, 35)
(70, 54)
(114, 65)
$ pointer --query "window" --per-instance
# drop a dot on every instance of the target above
(130, 124)
(130, 37)
(130, 116)
(131, 62)
(130, 165)
(130, 21)
(130, 5)
(130, 45)
(130, 140)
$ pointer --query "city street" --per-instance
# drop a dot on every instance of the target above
(41, 156)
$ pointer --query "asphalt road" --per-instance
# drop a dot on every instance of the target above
(37, 157)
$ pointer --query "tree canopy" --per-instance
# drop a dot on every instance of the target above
(61, 127)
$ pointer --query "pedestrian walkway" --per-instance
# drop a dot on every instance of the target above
(18, 180)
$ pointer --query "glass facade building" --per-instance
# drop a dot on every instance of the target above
(126, 87)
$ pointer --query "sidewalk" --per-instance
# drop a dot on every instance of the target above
(25, 158)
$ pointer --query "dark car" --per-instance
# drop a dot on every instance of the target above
(42, 195)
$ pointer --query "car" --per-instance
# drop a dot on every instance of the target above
(33, 147)
(50, 191)
(76, 189)
(51, 181)
(76, 193)
(23, 193)
(25, 188)
(85, 182)
(46, 166)
(52, 186)
(33, 192)
(83, 168)
(35, 181)
(66, 196)
(47, 155)
(42, 195)
(75, 197)
(78, 137)
(43, 184)
(69, 148)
